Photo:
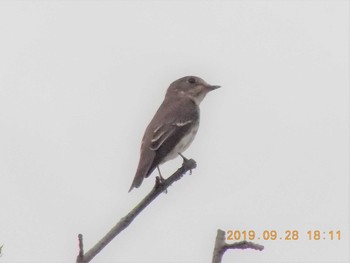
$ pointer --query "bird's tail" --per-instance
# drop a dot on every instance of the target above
(143, 170)
(137, 180)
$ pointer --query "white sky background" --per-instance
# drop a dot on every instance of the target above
(79, 82)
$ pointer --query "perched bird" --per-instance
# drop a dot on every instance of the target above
(173, 127)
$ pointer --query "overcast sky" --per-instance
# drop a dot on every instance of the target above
(80, 80)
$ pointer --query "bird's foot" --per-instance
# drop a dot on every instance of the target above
(160, 180)
(183, 157)
(185, 161)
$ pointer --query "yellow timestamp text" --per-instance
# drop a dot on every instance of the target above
(288, 235)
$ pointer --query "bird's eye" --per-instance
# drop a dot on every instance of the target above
(191, 80)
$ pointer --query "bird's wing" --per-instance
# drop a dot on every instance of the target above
(168, 135)
(160, 134)
(161, 137)
(177, 119)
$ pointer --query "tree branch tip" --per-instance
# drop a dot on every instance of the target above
(80, 257)
(190, 164)
(244, 245)
(160, 186)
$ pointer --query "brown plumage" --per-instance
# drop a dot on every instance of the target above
(173, 127)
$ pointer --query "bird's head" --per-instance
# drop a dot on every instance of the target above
(192, 87)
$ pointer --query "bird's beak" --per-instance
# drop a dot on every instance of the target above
(212, 87)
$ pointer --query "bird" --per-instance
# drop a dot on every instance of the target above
(173, 127)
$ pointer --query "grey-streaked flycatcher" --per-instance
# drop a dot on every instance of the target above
(173, 127)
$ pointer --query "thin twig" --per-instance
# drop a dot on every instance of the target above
(221, 246)
(124, 222)
(81, 248)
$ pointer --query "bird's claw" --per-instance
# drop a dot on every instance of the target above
(160, 180)
(185, 160)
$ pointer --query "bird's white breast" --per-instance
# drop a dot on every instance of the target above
(183, 144)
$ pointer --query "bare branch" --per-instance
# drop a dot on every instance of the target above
(81, 248)
(221, 246)
(124, 222)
